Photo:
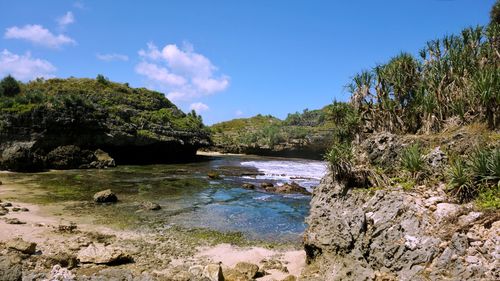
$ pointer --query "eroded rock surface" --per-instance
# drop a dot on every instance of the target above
(358, 234)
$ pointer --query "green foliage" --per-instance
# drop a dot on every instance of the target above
(477, 174)
(89, 100)
(460, 180)
(412, 159)
(9, 86)
(340, 157)
(102, 79)
(457, 75)
(489, 198)
(495, 13)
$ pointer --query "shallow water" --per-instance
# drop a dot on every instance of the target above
(188, 197)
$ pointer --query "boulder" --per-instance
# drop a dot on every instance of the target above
(266, 185)
(10, 268)
(102, 160)
(446, 211)
(101, 254)
(293, 278)
(293, 187)
(150, 206)
(213, 272)
(22, 246)
(213, 175)
(234, 275)
(105, 196)
(248, 186)
(3, 211)
(248, 269)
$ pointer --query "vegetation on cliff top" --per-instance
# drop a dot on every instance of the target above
(456, 80)
(96, 98)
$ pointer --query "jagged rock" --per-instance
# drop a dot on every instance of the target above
(62, 259)
(14, 221)
(3, 211)
(214, 175)
(446, 211)
(248, 269)
(105, 196)
(436, 158)
(293, 187)
(102, 160)
(213, 272)
(150, 206)
(248, 186)
(61, 273)
(10, 268)
(22, 246)
(391, 235)
(266, 185)
(273, 264)
(234, 275)
(6, 204)
(101, 254)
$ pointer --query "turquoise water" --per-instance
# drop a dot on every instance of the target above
(188, 197)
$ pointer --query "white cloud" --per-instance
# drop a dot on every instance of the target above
(160, 74)
(112, 57)
(66, 20)
(199, 107)
(37, 34)
(24, 67)
(199, 75)
(238, 113)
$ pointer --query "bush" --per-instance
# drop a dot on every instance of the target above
(460, 180)
(412, 159)
(340, 159)
(478, 174)
(10, 87)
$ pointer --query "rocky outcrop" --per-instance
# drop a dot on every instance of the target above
(105, 196)
(82, 123)
(389, 234)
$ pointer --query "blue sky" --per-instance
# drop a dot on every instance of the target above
(227, 59)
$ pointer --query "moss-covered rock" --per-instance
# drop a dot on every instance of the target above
(60, 123)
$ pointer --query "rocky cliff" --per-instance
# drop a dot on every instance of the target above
(361, 234)
(72, 123)
(387, 224)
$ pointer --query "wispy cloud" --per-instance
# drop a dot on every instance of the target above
(183, 73)
(66, 20)
(112, 57)
(199, 107)
(238, 113)
(24, 67)
(39, 35)
(79, 5)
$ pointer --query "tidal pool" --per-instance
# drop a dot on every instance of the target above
(188, 198)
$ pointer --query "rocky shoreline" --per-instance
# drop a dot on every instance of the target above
(40, 246)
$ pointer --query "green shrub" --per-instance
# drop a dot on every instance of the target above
(10, 86)
(340, 158)
(460, 180)
(412, 159)
(478, 175)
(478, 163)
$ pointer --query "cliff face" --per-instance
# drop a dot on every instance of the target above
(391, 227)
(360, 234)
(62, 123)
(305, 135)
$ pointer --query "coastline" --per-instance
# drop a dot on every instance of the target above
(158, 254)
